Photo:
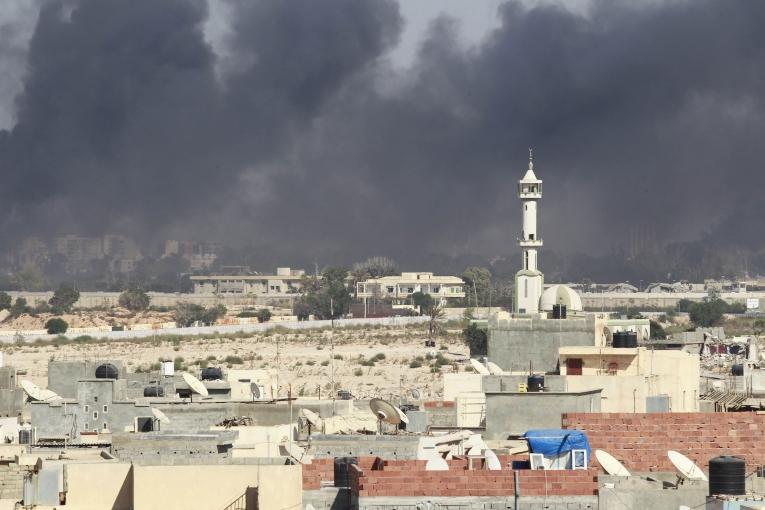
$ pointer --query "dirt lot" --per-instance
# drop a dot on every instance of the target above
(304, 359)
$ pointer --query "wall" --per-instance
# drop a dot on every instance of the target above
(641, 441)
(515, 413)
(461, 382)
(608, 300)
(625, 394)
(214, 487)
(63, 375)
(11, 480)
(98, 486)
(513, 343)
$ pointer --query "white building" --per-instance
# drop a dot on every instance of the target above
(529, 281)
(285, 281)
(399, 289)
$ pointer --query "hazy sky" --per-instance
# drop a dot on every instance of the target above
(355, 127)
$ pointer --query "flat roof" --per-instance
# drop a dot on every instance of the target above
(592, 350)
(247, 277)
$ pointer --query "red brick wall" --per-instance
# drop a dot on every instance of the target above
(641, 441)
(409, 478)
(317, 471)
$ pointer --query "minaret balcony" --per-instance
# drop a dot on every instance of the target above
(530, 195)
(529, 243)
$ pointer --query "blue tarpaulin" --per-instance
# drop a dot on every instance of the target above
(553, 442)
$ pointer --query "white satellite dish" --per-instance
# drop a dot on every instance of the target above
(437, 464)
(478, 367)
(31, 389)
(402, 416)
(49, 396)
(415, 393)
(610, 465)
(385, 412)
(296, 452)
(160, 416)
(494, 369)
(195, 385)
(311, 417)
(492, 462)
(686, 467)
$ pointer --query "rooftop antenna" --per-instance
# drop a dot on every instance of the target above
(195, 385)
(610, 465)
(686, 468)
(385, 412)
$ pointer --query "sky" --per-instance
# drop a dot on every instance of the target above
(348, 128)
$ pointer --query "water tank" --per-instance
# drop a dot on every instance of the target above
(737, 370)
(154, 391)
(107, 371)
(342, 466)
(535, 383)
(559, 311)
(212, 374)
(25, 436)
(727, 476)
(619, 339)
(631, 339)
(344, 395)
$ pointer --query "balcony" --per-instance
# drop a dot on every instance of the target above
(530, 243)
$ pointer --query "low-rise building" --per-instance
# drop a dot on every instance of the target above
(285, 284)
(399, 289)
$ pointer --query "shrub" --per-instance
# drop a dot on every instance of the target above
(178, 362)
(325, 363)
(415, 364)
(264, 315)
(56, 326)
(475, 338)
(233, 360)
(5, 301)
(358, 372)
(135, 300)
(378, 357)
(64, 299)
(338, 356)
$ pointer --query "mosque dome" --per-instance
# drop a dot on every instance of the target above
(560, 295)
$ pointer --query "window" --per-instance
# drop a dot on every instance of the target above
(574, 366)
(87, 408)
(390, 290)
(613, 368)
(95, 415)
(105, 427)
(525, 288)
(106, 409)
(95, 399)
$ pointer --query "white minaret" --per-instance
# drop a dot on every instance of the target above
(529, 280)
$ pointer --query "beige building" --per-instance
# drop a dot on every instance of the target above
(285, 281)
(631, 378)
(399, 289)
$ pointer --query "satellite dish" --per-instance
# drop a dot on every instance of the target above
(415, 393)
(492, 462)
(160, 416)
(686, 467)
(310, 417)
(437, 464)
(385, 412)
(255, 390)
(31, 389)
(195, 384)
(494, 369)
(402, 416)
(610, 465)
(478, 367)
(295, 452)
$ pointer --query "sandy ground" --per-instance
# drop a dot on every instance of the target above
(86, 319)
(304, 359)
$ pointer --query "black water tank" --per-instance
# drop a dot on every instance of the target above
(619, 339)
(559, 311)
(342, 467)
(631, 339)
(107, 371)
(727, 476)
(737, 370)
(535, 383)
(154, 391)
(212, 374)
(344, 395)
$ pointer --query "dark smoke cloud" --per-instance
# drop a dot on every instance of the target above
(641, 116)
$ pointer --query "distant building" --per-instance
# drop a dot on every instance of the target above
(399, 289)
(285, 281)
(199, 255)
(121, 252)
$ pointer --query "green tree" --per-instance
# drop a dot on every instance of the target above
(375, 267)
(422, 301)
(326, 297)
(64, 299)
(212, 314)
(264, 315)
(20, 307)
(476, 339)
(5, 301)
(758, 328)
(708, 313)
(435, 313)
(478, 285)
(135, 300)
(657, 330)
(684, 305)
(56, 326)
